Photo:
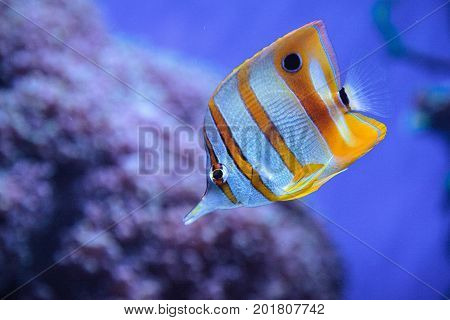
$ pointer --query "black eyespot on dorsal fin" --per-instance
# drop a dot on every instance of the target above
(344, 97)
(292, 62)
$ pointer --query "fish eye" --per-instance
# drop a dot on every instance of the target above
(344, 97)
(218, 173)
(292, 62)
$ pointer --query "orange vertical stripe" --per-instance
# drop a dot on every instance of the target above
(266, 125)
(235, 153)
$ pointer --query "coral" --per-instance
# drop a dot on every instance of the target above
(69, 177)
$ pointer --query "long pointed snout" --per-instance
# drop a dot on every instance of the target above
(214, 199)
(199, 210)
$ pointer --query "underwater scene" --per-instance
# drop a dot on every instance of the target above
(324, 154)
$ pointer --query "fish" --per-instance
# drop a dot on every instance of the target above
(280, 126)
